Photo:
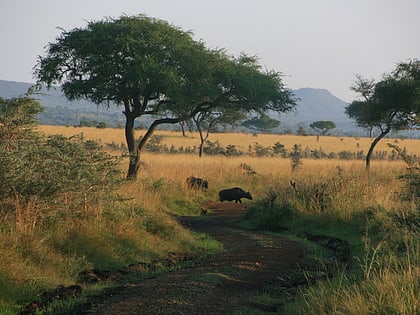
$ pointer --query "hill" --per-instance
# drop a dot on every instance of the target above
(318, 104)
(60, 111)
(313, 105)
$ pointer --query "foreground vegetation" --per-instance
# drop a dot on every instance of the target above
(64, 210)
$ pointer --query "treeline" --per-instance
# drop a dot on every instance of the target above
(156, 145)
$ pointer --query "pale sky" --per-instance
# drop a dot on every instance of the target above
(313, 43)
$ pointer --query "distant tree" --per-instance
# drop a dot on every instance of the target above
(301, 131)
(85, 122)
(205, 122)
(263, 123)
(322, 126)
(392, 103)
(183, 125)
(153, 68)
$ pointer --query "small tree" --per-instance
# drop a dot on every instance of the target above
(17, 119)
(205, 122)
(412, 176)
(392, 103)
(263, 123)
(296, 157)
(322, 126)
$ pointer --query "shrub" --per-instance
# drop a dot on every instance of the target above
(296, 157)
(45, 179)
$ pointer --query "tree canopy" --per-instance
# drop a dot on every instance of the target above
(323, 126)
(262, 123)
(392, 103)
(153, 68)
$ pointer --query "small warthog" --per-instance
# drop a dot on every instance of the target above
(197, 183)
(234, 194)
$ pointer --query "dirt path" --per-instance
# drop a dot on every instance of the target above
(219, 284)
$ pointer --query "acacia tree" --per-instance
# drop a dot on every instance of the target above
(323, 126)
(153, 68)
(365, 88)
(261, 123)
(206, 121)
(392, 103)
(229, 88)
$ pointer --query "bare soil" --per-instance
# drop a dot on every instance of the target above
(218, 284)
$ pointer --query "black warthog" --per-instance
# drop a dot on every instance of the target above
(234, 194)
(197, 183)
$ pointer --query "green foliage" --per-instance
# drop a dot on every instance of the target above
(279, 149)
(153, 68)
(392, 103)
(411, 178)
(233, 150)
(323, 126)
(207, 121)
(59, 214)
(48, 167)
(296, 157)
(47, 182)
(263, 123)
(261, 150)
(213, 148)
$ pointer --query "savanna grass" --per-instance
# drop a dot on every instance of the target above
(242, 140)
(135, 223)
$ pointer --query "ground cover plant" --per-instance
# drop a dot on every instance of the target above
(49, 239)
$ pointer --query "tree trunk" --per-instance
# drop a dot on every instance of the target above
(135, 158)
(181, 123)
(203, 139)
(372, 146)
(200, 149)
(132, 150)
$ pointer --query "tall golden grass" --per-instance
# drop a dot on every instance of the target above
(242, 140)
(223, 172)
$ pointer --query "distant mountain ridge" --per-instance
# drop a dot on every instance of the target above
(319, 104)
(313, 105)
(58, 110)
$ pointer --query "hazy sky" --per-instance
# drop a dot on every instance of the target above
(314, 43)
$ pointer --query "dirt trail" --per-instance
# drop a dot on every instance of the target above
(219, 284)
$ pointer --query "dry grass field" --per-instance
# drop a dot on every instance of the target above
(241, 140)
(375, 212)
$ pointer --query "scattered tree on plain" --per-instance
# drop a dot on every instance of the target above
(323, 126)
(206, 122)
(153, 68)
(262, 123)
(392, 103)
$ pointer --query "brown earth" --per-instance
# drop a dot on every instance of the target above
(218, 284)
